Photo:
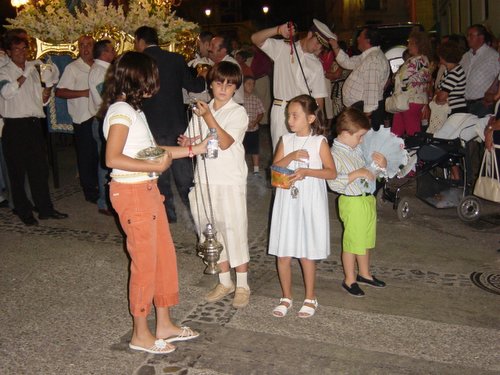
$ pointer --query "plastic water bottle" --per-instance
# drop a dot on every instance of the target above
(213, 145)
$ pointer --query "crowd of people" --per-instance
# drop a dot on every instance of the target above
(122, 105)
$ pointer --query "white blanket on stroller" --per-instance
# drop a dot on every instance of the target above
(464, 126)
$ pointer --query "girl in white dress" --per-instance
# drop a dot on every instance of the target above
(300, 222)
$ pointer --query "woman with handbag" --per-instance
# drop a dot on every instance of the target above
(415, 77)
(492, 130)
(450, 93)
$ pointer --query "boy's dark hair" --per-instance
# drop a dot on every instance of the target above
(310, 107)
(148, 34)
(225, 70)
(99, 47)
(134, 74)
(352, 120)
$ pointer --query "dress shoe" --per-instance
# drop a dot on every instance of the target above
(105, 212)
(53, 215)
(376, 283)
(241, 297)
(219, 292)
(29, 221)
(4, 203)
(354, 290)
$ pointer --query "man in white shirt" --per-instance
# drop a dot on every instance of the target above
(104, 54)
(74, 86)
(292, 78)
(220, 50)
(481, 68)
(22, 137)
(364, 88)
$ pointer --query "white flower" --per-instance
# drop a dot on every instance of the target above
(51, 21)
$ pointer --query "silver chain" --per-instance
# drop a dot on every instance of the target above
(212, 221)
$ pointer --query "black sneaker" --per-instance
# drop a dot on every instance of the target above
(354, 290)
(376, 283)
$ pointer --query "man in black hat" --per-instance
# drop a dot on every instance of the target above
(297, 68)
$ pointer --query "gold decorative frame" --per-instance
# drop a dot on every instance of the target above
(122, 42)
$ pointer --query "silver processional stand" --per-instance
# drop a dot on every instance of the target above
(209, 250)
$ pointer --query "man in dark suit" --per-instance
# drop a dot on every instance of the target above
(166, 114)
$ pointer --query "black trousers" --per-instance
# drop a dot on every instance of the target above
(87, 156)
(182, 172)
(25, 153)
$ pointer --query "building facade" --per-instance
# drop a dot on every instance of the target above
(454, 16)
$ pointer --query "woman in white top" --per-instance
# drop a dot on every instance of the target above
(139, 204)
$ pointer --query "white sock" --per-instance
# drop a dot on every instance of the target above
(242, 280)
(255, 169)
(225, 279)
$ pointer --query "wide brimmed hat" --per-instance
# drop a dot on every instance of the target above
(322, 32)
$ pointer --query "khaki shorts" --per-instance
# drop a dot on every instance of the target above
(359, 215)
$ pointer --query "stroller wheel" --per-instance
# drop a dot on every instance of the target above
(469, 209)
(403, 209)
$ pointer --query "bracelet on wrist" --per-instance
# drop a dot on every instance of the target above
(278, 30)
(190, 151)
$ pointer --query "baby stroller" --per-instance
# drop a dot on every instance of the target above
(435, 185)
(468, 128)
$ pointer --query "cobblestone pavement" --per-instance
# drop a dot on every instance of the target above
(64, 300)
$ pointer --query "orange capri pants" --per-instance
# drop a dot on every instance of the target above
(153, 269)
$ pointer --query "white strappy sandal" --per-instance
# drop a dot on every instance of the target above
(308, 311)
(281, 310)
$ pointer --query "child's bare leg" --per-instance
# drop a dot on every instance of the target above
(284, 265)
(224, 267)
(240, 268)
(349, 265)
(309, 274)
(285, 275)
(141, 335)
(364, 265)
(164, 326)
